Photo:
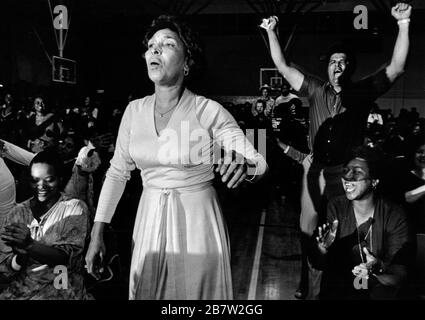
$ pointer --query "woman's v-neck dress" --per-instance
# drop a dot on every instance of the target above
(180, 241)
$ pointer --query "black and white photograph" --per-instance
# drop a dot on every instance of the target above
(212, 157)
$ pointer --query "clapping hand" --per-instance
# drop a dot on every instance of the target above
(401, 11)
(326, 235)
(364, 269)
(18, 237)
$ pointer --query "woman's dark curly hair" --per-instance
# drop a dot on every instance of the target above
(374, 157)
(191, 40)
(51, 157)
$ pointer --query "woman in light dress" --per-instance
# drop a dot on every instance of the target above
(180, 241)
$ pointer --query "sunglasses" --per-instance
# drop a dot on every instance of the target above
(353, 174)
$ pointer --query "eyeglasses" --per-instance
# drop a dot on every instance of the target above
(420, 152)
(354, 174)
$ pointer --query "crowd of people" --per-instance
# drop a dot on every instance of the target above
(356, 173)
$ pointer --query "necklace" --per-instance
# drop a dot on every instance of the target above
(369, 231)
(161, 114)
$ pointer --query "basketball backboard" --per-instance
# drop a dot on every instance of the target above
(270, 77)
(64, 70)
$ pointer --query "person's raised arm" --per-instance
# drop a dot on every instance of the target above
(401, 12)
(292, 75)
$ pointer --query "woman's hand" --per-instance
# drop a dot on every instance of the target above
(235, 167)
(371, 266)
(326, 236)
(17, 236)
(95, 255)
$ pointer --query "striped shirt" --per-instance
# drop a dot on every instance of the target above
(338, 120)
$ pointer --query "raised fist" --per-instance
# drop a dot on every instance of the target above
(270, 23)
(401, 11)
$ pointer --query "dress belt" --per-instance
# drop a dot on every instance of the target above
(177, 190)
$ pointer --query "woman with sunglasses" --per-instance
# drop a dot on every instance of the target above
(364, 248)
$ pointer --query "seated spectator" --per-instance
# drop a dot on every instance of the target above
(366, 239)
(265, 96)
(44, 127)
(260, 120)
(77, 173)
(8, 118)
(285, 100)
(48, 230)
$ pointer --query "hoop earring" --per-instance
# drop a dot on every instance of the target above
(186, 72)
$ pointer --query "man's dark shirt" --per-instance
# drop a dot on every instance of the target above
(338, 120)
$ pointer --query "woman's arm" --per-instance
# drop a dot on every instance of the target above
(292, 153)
(17, 154)
(18, 237)
(112, 190)
(227, 135)
(47, 255)
(415, 194)
(119, 171)
(390, 270)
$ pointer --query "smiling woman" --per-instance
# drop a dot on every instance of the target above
(180, 240)
(46, 231)
(367, 237)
